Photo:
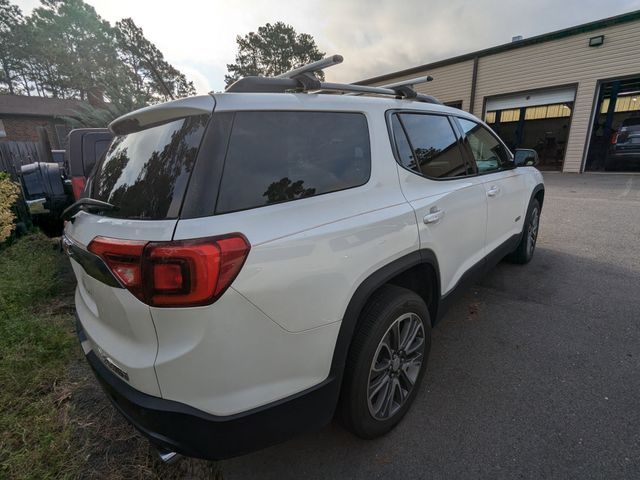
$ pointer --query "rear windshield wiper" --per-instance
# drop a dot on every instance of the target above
(88, 205)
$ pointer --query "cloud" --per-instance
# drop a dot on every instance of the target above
(199, 79)
(378, 36)
(375, 36)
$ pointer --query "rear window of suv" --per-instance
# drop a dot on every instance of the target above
(276, 157)
(145, 174)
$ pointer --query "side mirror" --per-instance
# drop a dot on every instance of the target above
(525, 157)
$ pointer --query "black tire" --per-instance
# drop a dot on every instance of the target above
(390, 305)
(524, 251)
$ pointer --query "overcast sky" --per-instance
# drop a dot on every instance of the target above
(374, 36)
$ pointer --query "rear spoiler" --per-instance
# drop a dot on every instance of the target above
(161, 113)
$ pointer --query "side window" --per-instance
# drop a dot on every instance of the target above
(276, 157)
(489, 153)
(427, 145)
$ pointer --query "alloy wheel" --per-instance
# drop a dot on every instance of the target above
(395, 366)
(532, 232)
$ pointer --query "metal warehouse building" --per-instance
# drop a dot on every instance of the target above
(566, 93)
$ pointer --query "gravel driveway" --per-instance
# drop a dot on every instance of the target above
(535, 373)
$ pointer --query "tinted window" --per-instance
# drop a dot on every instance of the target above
(490, 155)
(145, 173)
(430, 147)
(280, 156)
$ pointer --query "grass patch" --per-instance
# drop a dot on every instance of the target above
(36, 345)
(55, 421)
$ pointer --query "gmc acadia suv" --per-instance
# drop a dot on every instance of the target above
(253, 262)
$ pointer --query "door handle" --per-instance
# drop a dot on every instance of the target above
(493, 191)
(434, 216)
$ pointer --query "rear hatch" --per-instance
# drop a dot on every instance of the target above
(144, 175)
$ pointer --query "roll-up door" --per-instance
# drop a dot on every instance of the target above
(531, 99)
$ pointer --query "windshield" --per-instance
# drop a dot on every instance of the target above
(145, 174)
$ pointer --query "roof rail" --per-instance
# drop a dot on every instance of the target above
(302, 79)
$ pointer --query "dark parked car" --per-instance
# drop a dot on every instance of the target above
(58, 179)
(624, 151)
(86, 146)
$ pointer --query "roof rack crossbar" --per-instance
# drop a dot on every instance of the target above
(405, 89)
(347, 87)
(313, 67)
(302, 80)
(281, 85)
(409, 83)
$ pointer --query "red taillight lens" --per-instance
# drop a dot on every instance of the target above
(168, 277)
(175, 274)
(123, 259)
(77, 185)
(614, 138)
(233, 252)
(199, 263)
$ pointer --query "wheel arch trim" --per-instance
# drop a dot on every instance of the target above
(537, 189)
(363, 293)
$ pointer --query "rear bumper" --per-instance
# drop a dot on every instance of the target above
(178, 427)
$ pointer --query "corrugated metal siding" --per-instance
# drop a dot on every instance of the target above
(449, 84)
(560, 62)
(553, 63)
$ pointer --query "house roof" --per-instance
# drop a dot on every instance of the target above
(558, 34)
(38, 106)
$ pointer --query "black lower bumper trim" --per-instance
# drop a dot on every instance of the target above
(183, 429)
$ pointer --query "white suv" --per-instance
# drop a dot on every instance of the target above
(250, 264)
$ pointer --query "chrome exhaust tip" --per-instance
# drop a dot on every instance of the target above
(167, 456)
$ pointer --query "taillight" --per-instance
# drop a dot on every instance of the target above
(77, 185)
(614, 138)
(182, 273)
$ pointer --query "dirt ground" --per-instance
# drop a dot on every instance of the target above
(112, 449)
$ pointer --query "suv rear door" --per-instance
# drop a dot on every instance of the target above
(505, 186)
(144, 175)
(449, 201)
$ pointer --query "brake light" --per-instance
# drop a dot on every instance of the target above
(614, 138)
(182, 273)
(77, 185)
(123, 259)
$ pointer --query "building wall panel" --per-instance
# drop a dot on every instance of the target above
(552, 63)
(450, 83)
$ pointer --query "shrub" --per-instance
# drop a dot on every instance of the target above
(8, 195)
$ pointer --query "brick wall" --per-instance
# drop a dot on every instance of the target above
(23, 129)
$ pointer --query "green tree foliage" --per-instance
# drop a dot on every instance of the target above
(10, 21)
(88, 116)
(72, 49)
(153, 77)
(64, 49)
(272, 50)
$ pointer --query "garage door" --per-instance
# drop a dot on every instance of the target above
(540, 120)
(531, 99)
